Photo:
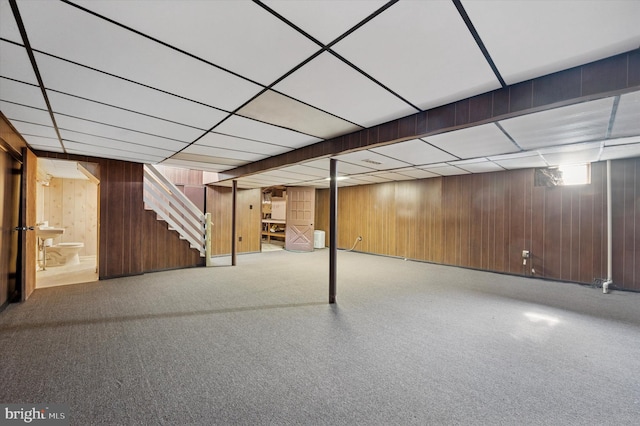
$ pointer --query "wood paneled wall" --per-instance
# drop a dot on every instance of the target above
(625, 180)
(163, 249)
(248, 204)
(180, 176)
(71, 204)
(129, 245)
(484, 221)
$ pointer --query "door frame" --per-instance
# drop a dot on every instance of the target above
(27, 257)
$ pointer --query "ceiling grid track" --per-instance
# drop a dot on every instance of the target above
(476, 37)
(32, 59)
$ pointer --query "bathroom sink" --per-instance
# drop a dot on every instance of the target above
(49, 232)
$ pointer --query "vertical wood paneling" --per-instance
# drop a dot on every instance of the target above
(565, 234)
(249, 204)
(552, 233)
(248, 224)
(538, 232)
(219, 205)
(71, 204)
(485, 221)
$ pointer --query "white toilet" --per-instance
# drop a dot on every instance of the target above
(64, 254)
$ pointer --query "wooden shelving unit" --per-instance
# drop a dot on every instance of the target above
(273, 214)
(269, 224)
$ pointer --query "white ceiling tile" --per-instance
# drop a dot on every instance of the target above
(576, 157)
(400, 47)
(329, 84)
(15, 63)
(223, 153)
(194, 165)
(72, 79)
(622, 141)
(479, 141)
(8, 26)
(415, 152)
(110, 152)
(367, 158)
(99, 44)
(445, 170)
(262, 132)
(240, 144)
(86, 110)
(70, 136)
(521, 160)
(575, 123)
(236, 35)
(394, 176)
(275, 108)
(287, 176)
(343, 168)
(627, 120)
(306, 171)
(416, 173)
(21, 93)
(82, 126)
(63, 169)
(26, 114)
(372, 178)
(323, 20)
(28, 129)
(527, 39)
(620, 151)
(200, 158)
(44, 143)
(477, 165)
(572, 154)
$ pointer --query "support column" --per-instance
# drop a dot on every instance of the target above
(333, 229)
(234, 196)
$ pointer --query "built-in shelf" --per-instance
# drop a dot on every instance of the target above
(267, 225)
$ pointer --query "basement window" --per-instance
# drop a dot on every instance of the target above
(572, 174)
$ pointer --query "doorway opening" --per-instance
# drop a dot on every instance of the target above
(274, 219)
(67, 228)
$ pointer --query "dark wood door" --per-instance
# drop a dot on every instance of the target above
(28, 223)
(300, 218)
(10, 167)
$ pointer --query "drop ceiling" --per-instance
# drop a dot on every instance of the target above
(213, 85)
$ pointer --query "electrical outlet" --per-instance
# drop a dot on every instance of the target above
(525, 254)
(359, 238)
(239, 239)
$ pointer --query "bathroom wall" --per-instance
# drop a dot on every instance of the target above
(71, 204)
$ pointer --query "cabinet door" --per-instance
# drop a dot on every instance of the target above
(300, 218)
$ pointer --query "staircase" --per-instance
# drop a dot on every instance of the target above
(172, 206)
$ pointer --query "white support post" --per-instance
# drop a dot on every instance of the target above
(207, 241)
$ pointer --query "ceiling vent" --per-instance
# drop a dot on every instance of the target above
(371, 161)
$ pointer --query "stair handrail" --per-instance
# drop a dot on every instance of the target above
(175, 208)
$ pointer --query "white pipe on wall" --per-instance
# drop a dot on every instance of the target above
(609, 281)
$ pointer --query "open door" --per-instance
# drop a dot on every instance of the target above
(27, 223)
(300, 218)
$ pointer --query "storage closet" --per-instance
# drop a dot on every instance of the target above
(274, 214)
